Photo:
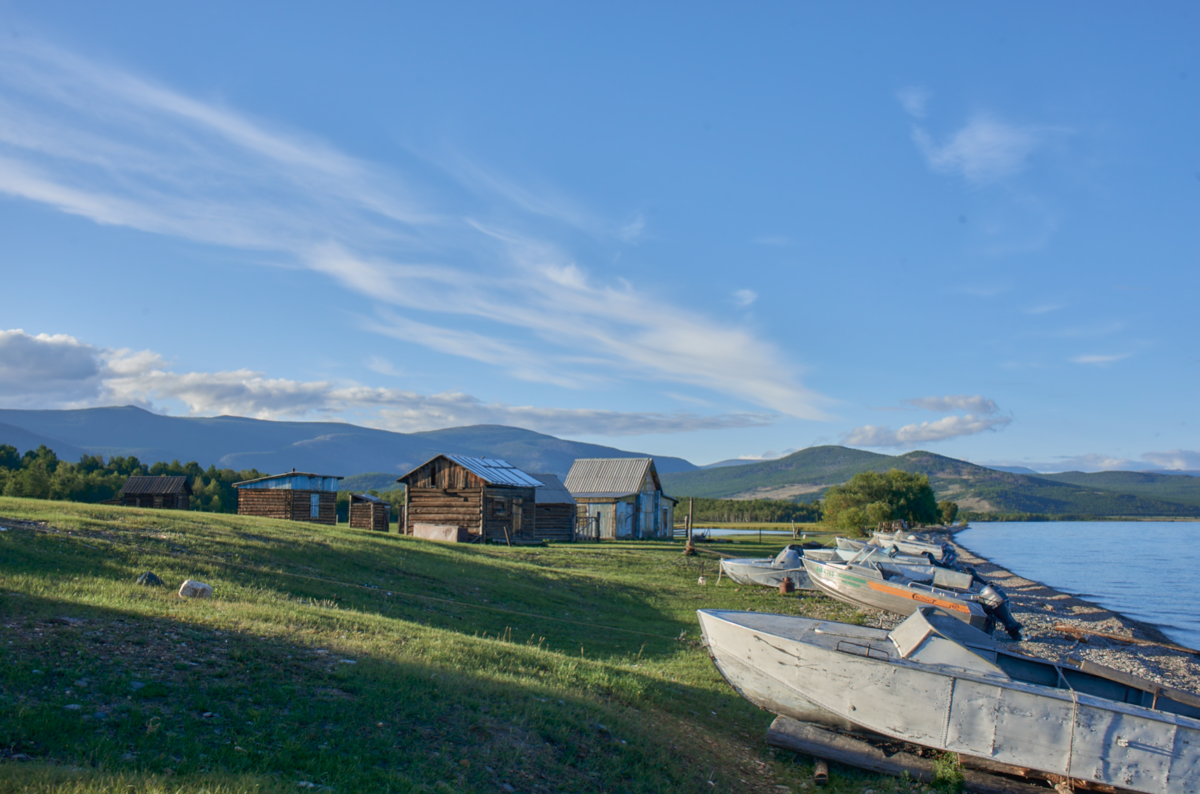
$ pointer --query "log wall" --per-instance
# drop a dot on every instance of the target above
(287, 504)
(460, 508)
(160, 501)
(442, 474)
(369, 515)
(555, 522)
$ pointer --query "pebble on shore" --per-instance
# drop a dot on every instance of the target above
(1038, 608)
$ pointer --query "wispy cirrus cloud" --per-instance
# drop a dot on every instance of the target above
(1099, 359)
(59, 371)
(98, 142)
(914, 99)
(982, 415)
(745, 297)
(985, 149)
(976, 403)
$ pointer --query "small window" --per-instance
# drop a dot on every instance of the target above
(499, 508)
(314, 505)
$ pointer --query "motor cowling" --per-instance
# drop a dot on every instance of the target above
(995, 604)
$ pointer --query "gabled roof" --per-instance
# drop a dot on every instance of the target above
(173, 484)
(493, 471)
(552, 492)
(366, 497)
(609, 477)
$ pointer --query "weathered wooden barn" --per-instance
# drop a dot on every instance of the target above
(624, 495)
(369, 512)
(555, 510)
(295, 496)
(457, 498)
(168, 492)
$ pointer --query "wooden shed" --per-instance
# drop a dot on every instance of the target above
(461, 499)
(295, 496)
(369, 512)
(624, 495)
(555, 509)
(167, 492)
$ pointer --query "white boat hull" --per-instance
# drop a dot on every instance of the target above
(1055, 731)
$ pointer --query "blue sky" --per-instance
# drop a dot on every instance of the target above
(690, 229)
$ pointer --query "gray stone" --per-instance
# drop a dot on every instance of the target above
(193, 589)
(150, 580)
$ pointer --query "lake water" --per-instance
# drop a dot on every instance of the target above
(1148, 570)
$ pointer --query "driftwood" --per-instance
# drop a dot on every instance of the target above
(1084, 633)
(803, 737)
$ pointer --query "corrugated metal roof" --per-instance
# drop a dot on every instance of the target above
(613, 477)
(309, 481)
(494, 471)
(366, 497)
(157, 485)
(552, 492)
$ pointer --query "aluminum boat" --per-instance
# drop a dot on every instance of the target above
(937, 682)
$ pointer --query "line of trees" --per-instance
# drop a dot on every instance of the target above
(39, 474)
(758, 511)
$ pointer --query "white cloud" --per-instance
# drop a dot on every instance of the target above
(914, 99)
(47, 371)
(940, 430)
(983, 415)
(985, 149)
(1178, 459)
(961, 402)
(745, 297)
(97, 142)
(62, 372)
(1099, 360)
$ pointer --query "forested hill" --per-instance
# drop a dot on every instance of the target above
(805, 475)
(235, 442)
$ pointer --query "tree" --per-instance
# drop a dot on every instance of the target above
(9, 457)
(871, 498)
(948, 511)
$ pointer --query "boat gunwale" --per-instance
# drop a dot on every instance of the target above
(1068, 695)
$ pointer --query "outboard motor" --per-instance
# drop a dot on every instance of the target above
(789, 558)
(995, 604)
(949, 555)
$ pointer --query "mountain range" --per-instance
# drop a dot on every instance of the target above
(236, 442)
(807, 474)
(372, 458)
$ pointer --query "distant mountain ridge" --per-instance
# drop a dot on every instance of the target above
(807, 474)
(328, 447)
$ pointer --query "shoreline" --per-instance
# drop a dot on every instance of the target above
(1038, 607)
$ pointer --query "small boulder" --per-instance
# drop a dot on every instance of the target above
(150, 580)
(193, 589)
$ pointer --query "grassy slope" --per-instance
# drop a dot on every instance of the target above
(816, 465)
(1180, 488)
(1114, 494)
(539, 670)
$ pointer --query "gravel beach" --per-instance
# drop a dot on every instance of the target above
(1039, 608)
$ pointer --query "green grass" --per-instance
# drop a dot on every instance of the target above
(360, 662)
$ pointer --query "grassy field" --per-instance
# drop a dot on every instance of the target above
(340, 660)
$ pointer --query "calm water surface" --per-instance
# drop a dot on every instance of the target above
(1148, 570)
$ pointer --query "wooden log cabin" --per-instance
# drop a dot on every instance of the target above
(555, 510)
(295, 496)
(163, 492)
(462, 499)
(369, 512)
(623, 495)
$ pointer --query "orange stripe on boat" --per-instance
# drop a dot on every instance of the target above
(937, 602)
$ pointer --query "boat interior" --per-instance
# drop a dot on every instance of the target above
(931, 637)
